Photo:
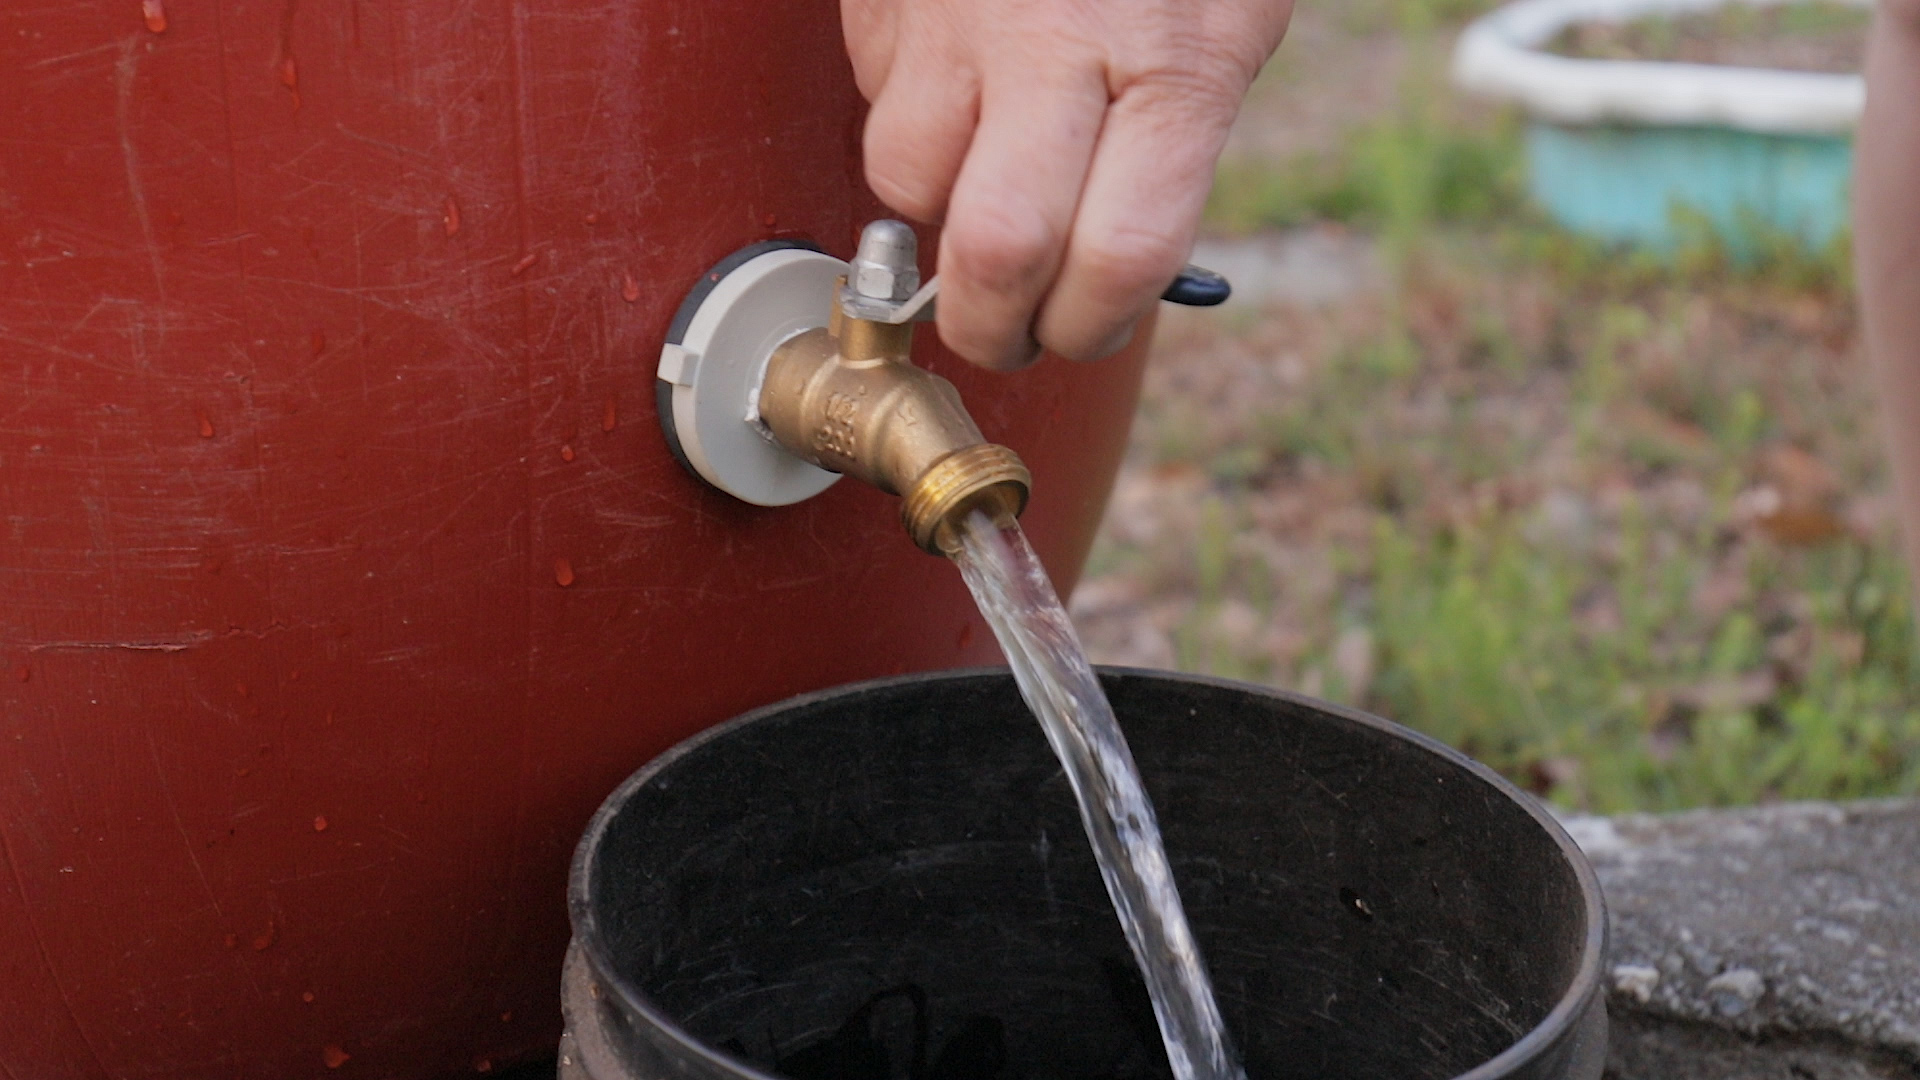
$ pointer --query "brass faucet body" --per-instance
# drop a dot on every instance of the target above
(847, 398)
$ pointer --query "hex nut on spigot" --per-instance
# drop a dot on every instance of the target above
(882, 283)
(886, 267)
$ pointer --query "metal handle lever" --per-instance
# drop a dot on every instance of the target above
(1196, 286)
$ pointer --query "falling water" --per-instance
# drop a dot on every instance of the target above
(1058, 684)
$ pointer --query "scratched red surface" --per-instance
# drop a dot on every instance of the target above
(342, 569)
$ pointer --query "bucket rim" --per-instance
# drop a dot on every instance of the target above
(1560, 1025)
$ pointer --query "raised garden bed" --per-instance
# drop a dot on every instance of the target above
(1645, 115)
(1802, 35)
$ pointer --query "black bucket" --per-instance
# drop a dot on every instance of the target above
(889, 881)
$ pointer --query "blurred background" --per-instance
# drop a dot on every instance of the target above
(1610, 517)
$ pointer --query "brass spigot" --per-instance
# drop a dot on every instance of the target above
(847, 398)
(761, 400)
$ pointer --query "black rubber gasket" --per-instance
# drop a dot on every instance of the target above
(683, 318)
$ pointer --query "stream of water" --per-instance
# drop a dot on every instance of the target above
(1059, 685)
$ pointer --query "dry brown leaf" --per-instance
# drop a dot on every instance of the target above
(1799, 502)
(1727, 692)
(1688, 438)
(1803, 479)
(1803, 526)
(1546, 774)
(1721, 590)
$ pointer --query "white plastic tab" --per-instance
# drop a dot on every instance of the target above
(717, 368)
(678, 365)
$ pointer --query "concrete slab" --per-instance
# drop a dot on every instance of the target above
(1796, 925)
(1642, 1048)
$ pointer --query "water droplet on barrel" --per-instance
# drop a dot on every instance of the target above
(206, 427)
(320, 823)
(526, 263)
(156, 15)
(450, 215)
(563, 572)
(609, 417)
(290, 78)
(566, 453)
(629, 288)
(333, 1056)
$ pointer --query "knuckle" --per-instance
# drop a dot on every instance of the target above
(1184, 95)
(1002, 248)
(1189, 69)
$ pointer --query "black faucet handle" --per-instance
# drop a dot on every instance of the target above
(1198, 286)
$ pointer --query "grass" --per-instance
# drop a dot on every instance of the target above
(1411, 17)
(1616, 525)
(1401, 171)
(1605, 684)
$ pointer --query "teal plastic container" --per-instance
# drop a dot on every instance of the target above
(1637, 184)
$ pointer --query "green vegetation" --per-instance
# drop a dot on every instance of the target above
(1407, 16)
(1614, 524)
(1592, 554)
(1427, 167)
(1401, 170)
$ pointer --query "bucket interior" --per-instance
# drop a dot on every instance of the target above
(892, 882)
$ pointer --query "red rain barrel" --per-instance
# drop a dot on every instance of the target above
(343, 568)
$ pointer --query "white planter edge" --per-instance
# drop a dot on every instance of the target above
(1500, 55)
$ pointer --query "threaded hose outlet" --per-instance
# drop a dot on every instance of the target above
(985, 477)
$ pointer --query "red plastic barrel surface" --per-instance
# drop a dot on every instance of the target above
(343, 568)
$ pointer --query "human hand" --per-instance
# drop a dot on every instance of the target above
(1067, 147)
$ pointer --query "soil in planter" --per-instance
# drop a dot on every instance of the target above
(1813, 35)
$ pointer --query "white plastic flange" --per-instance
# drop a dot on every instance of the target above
(718, 365)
